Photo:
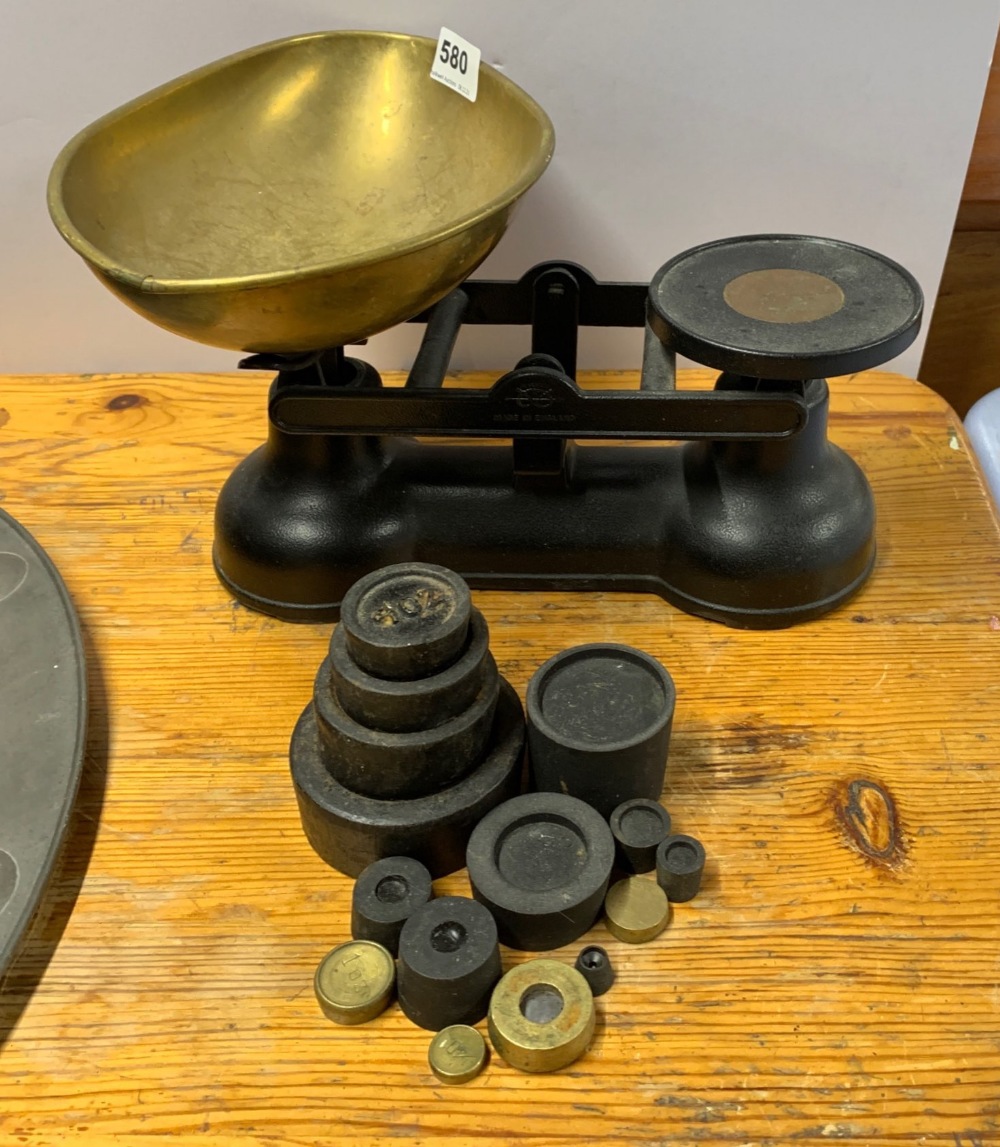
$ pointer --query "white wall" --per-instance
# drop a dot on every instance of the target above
(676, 122)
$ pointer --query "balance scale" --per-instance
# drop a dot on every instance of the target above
(299, 197)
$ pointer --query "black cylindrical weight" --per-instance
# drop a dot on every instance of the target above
(405, 621)
(385, 895)
(449, 962)
(403, 706)
(638, 827)
(401, 766)
(350, 830)
(599, 719)
(594, 964)
(541, 864)
(680, 862)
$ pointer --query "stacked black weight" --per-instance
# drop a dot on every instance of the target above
(412, 735)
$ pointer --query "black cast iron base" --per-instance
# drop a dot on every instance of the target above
(758, 534)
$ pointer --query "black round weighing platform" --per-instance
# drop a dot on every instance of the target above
(785, 306)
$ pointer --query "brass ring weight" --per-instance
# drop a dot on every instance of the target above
(301, 194)
(541, 1016)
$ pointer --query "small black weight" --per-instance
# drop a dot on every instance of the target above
(421, 703)
(594, 964)
(541, 864)
(407, 620)
(638, 827)
(680, 862)
(385, 895)
(449, 962)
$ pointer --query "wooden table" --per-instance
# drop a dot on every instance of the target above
(837, 979)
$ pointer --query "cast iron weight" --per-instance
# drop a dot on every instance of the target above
(398, 766)
(599, 720)
(350, 830)
(406, 621)
(404, 706)
(385, 896)
(414, 714)
(680, 862)
(638, 827)
(385, 766)
(449, 961)
(541, 864)
(594, 964)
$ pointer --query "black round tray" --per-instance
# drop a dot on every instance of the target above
(43, 699)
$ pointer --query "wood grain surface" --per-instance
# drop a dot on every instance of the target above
(962, 357)
(979, 209)
(837, 979)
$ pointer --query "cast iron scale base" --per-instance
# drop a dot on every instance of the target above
(757, 520)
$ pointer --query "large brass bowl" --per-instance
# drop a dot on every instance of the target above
(300, 195)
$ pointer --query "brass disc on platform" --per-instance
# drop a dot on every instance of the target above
(788, 307)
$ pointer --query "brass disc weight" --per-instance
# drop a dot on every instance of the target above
(354, 982)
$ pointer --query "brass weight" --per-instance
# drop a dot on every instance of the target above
(541, 1016)
(354, 982)
(636, 910)
(457, 1054)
